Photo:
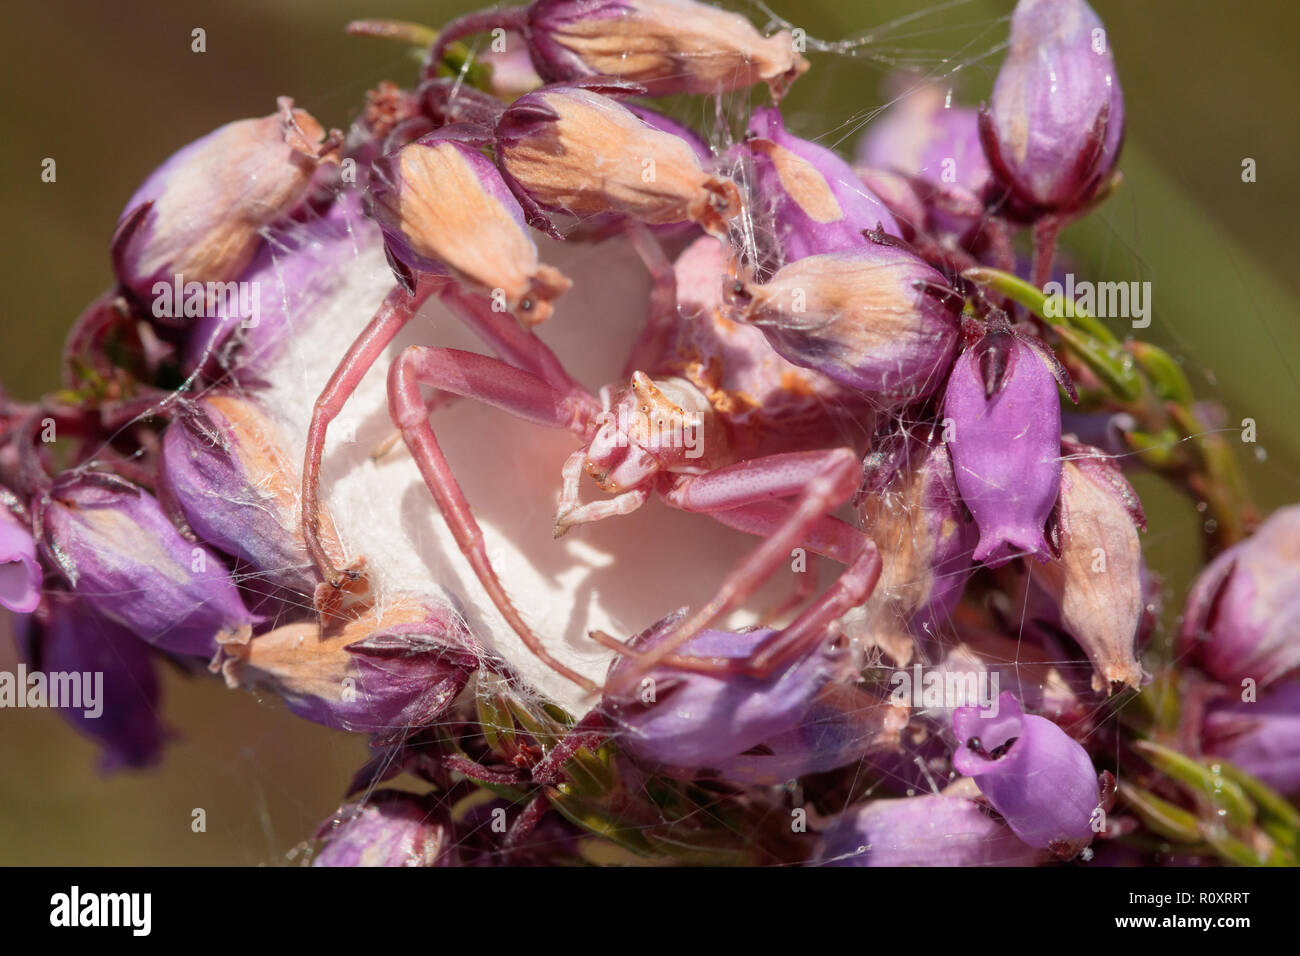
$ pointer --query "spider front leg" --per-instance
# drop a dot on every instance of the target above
(397, 309)
(505, 387)
(821, 482)
(572, 510)
(498, 330)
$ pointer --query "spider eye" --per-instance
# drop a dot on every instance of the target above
(526, 305)
(974, 744)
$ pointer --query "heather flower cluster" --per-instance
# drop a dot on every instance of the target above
(847, 362)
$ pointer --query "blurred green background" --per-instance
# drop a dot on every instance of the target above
(108, 88)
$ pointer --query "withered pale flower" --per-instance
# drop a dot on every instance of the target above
(383, 670)
(576, 151)
(443, 205)
(918, 523)
(201, 213)
(1097, 581)
(667, 46)
(225, 463)
(877, 319)
(816, 201)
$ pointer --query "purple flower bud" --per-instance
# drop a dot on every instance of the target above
(441, 203)
(201, 213)
(386, 671)
(842, 726)
(921, 831)
(227, 467)
(1261, 737)
(816, 202)
(1242, 619)
(877, 319)
(1032, 772)
(1056, 121)
(20, 572)
(124, 558)
(697, 720)
(1004, 422)
(926, 137)
(549, 142)
(65, 637)
(1098, 581)
(667, 46)
(391, 828)
(937, 145)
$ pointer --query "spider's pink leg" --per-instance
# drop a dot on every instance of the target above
(662, 316)
(397, 309)
(502, 386)
(822, 481)
(748, 496)
(500, 331)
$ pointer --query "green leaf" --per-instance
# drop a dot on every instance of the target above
(1161, 816)
(1222, 793)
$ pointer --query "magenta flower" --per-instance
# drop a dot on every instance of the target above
(1040, 780)
(701, 720)
(1261, 737)
(921, 831)
(292, 274)
(936, 146)
(1057, 114)
(123, 557)
(223, 463)
(20, 572)
(1242, 619)
(66, 637)
(1005, 440)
